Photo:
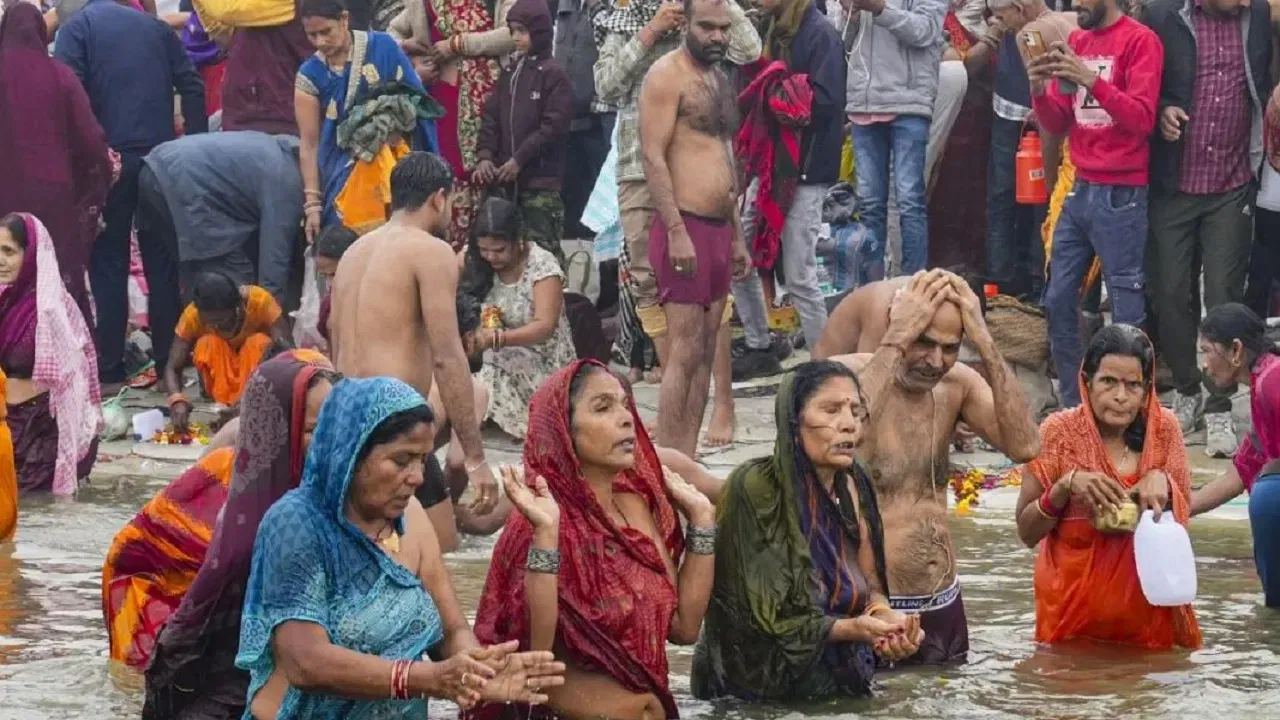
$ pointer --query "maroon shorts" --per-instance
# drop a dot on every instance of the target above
(713, 242)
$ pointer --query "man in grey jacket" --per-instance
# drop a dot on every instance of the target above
(895, 51)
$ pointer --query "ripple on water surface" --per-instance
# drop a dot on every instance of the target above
(53, 646)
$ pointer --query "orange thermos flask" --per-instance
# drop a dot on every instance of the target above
(1029, 166)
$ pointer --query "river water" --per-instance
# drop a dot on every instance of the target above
(53, 649)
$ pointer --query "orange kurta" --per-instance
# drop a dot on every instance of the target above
(154, 559)
(8, 474)
(1086, 582)
(225, 364)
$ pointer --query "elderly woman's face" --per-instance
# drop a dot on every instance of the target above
(604, 433)
(390, 474)
(1117, 391)
(831, 424)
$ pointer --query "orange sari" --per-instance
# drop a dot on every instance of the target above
(225, 364)
(8, 475)
(1086, 582)
(154, 559)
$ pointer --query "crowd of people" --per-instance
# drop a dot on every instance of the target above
(401, 203)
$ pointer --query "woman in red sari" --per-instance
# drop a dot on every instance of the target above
(1119, 443)
(57, 164)
(594, 557)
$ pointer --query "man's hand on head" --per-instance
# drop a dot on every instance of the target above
(975, 326)
(915, 305)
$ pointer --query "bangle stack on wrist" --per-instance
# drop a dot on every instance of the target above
(700, 541)
(178, 399)
(400, 679)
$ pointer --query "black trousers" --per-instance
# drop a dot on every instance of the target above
(158, 245)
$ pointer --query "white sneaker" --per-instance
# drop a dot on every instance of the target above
(1186, 408)
(1220, 439)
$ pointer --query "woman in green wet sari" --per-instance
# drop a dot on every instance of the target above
(797, 610)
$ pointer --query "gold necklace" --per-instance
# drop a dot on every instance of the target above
(390, 543)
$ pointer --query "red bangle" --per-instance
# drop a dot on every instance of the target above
(400, 679)
(1048, 508)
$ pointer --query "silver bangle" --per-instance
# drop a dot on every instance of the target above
(543, 561)
(700, 541)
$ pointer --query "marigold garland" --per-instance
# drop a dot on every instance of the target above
(967, 483)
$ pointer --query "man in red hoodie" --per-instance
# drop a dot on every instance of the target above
(1101, 87)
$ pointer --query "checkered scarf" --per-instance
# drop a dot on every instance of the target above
(624, 16)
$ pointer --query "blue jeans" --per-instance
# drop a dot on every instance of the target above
(1264, 519)
(1111, 222)
(903, 140)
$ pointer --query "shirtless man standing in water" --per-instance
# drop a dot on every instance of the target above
(394, 314)
(917, 394)
(688, 115)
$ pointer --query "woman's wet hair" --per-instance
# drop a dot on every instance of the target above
(395, 426)
(808, 378)
(1229, 322)
(328, 9)
(216, 291)
(17, 227)
(333, 241)
(497, 218)
(418, 176)
(1127, 341)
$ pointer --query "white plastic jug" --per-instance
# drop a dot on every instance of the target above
(1166, 564)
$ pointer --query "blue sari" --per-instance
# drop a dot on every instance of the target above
(380, 61)
(311, 564)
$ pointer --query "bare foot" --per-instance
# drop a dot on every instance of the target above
(720, 433)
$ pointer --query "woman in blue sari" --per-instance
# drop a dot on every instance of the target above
(360, 107)
(337, 623)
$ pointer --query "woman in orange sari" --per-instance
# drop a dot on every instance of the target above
(225, 333)
(1119, 443)
(154, 560)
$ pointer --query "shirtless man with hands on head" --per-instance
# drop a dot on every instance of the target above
(395, 314)
(917, 394)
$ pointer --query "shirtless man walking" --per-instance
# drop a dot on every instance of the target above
(688, 115)
(917, 394)
(394, 314)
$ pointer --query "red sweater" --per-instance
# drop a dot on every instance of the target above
(1110, 126)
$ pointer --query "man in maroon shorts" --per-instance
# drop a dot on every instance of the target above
(688, 115)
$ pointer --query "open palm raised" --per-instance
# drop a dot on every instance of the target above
(536, 503)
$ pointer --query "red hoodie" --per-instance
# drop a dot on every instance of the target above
(1110, 126)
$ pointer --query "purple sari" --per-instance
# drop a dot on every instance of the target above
(57, 163)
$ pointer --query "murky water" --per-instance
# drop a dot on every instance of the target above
(53, 647)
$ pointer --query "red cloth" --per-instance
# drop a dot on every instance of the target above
(1215, 155)
(776, 107)
(212, 75)
(55, 154)
(616, 598)
(1110, 127)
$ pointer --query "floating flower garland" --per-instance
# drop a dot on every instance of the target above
(966, 485)
(196, 433)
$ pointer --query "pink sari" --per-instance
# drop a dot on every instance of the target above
(65, 362)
